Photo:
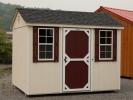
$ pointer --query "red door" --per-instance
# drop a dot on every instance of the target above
(76, 59)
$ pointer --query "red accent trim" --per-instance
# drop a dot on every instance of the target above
(56, 44)
(35, 43)
(96, 44)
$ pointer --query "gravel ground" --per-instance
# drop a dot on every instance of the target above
(9, 92)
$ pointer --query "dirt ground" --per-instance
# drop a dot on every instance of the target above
(9, 92)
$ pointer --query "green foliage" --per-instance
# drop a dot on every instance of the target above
(5, 48)
(7, 11)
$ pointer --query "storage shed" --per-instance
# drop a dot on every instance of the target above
(65, 51)
(125, 17)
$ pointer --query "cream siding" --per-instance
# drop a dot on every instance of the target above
(20, 58)
(45, 77)
(20, 65)
(105, 75)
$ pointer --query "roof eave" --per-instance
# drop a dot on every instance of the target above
(74, 26)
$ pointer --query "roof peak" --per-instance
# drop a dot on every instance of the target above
(116, 9)
(126, 14)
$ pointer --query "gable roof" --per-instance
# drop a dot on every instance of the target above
(126, 14)
(43, 16)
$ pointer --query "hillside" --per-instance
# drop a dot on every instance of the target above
(7, 12)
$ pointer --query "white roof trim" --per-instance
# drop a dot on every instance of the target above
(75, 26)
(13, 19)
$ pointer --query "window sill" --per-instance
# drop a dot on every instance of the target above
(106, 60)
(41, 61)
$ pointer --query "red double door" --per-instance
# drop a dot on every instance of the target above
(76, 59)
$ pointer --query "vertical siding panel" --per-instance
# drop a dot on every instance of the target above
(122, 72)
(127, 51)
(131, 43)
(132, 49)
(130, 52)
(123, 51)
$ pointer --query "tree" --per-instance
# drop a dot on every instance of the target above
(5, 48)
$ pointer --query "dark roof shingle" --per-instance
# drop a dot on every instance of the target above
(43, 16)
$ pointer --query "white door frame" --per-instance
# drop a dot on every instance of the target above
(88, 32)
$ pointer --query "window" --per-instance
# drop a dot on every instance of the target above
(105, 45)
(45, 44)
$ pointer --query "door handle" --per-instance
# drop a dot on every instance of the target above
(87, 59)
(65, 59)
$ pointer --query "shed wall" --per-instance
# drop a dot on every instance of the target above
(45, 77)
(105, 75)
(20, 54)
(127, 50)
(20, 58)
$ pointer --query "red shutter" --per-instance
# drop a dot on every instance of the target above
(96, 44)
(114, 45)
(56, 44)
(35, 44)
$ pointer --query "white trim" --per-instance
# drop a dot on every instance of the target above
(13, 20)
(75, 26)
(76, 59)
(106, 45)
(61, 58)
(46, 43)
(92, 57)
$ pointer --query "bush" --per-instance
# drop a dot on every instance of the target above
(5, 49)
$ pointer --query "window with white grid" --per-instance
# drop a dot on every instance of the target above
(105, 45)
(46, 44)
